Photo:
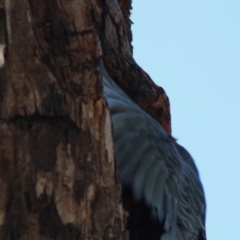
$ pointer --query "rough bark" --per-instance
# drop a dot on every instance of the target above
(58, 177)
(122, 67)
(57, 171)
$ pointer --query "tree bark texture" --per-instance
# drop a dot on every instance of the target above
(58, 177)
(119, 61)
(57, 169)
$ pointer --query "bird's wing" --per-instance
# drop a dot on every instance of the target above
(192, 205)
(147, 157)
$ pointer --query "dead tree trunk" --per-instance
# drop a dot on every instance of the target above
(57, 171)
(58, 177)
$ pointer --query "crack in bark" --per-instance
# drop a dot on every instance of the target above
(61, 122)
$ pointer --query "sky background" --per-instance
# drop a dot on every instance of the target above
(192, 49)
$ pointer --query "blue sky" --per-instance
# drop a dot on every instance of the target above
(192, 49)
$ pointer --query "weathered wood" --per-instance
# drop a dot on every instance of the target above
(57, 171)
(122, 67)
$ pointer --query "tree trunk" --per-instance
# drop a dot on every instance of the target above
(58, 177)
(57, 170)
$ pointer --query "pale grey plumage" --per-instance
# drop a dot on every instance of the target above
(155, 166)
(192, 206)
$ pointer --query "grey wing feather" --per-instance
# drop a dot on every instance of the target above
(157, 168)
(146, 155)
(192, 205)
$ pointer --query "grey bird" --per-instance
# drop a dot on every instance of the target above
(158, 176)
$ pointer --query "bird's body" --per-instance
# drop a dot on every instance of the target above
(158, 176)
